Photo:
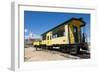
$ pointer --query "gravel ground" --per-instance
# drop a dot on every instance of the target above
(31, 54)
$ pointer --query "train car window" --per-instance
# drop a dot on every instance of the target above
(60, 33)
(64, 33)
(44, 37)
(75, 29)
(54, 36)
(50, 37)
(47, 37)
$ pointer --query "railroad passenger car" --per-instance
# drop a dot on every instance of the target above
(67, 37)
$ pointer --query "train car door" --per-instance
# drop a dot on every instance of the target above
(74, 49)
(75, 32)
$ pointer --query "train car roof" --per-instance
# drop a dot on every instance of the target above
(64, 23)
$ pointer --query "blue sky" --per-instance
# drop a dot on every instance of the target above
(40, 22)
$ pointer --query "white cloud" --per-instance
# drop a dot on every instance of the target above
(26, 30)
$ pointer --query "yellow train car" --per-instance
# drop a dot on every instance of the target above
(67, 36)
(37, 43)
